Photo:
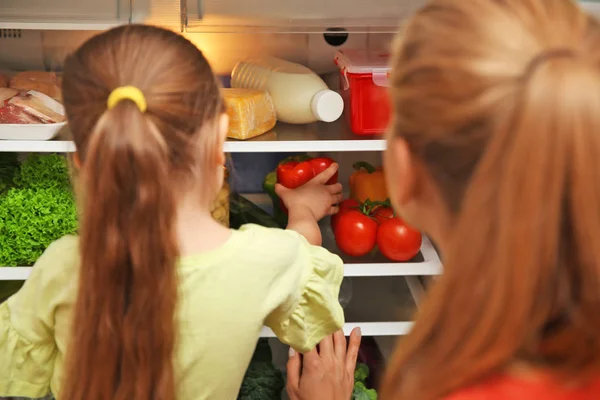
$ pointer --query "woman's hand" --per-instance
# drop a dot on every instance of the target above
(326, 373)
(314, 198)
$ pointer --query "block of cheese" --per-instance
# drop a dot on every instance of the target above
(251, 112)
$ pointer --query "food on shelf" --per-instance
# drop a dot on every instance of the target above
(40, 106)
(368, 183)
(251, 112)
(300, 96)
(345, 205)
(269, 187)
(220, 208)
(12, 114)
(364, 83)
(30, 107)
(3, 81)
(383, 213)
(320, 164)
(398, 241)
(293, 174)
(45, 82)
(360, 391)
(355, 232)
(243, 211)
(263, 381)
(361, 227)
(37, 208)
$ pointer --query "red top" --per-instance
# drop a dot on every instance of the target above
(505, 388)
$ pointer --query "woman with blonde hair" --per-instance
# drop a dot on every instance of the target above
(495, 153)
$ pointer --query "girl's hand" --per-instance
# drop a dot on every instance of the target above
(327, 373)
(314, 198)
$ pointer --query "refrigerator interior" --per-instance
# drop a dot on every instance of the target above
(380, 296)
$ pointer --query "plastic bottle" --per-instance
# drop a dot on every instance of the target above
(300, 96)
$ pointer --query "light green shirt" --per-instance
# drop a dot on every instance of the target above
(258, 277)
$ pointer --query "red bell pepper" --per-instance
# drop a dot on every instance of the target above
(320, 164)
(294, 174)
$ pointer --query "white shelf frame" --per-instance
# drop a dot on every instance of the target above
(367, 328)
(61, 26)
(430, 266)
(299, 146)
(318, 137)
(384, 328)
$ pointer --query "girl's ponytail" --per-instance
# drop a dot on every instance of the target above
(128, 278)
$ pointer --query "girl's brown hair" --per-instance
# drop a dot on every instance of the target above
(134, 167)
(500, 100)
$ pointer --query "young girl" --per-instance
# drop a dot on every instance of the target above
(156, 300)
(495, 149)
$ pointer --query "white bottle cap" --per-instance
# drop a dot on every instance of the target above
(327, 105)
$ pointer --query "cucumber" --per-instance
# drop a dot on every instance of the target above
(242, 211)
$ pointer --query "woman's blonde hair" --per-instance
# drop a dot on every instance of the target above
(500, 100)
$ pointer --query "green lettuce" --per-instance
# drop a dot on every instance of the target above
(37, 208)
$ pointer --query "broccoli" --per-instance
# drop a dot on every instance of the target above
(361, 373)
(361, 392)
(263, 381)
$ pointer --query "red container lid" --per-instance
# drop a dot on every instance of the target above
(354, 61)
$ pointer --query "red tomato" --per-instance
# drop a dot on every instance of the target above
(355, 233)
(398, 241)
(382, 214)
(320, 164)
(294, 174)
(345, 205)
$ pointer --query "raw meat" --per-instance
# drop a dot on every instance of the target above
(38, 107)
(11, 114)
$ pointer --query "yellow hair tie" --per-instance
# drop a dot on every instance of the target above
(127, 93)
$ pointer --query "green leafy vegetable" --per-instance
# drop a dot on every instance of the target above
(263, 381)
(361, 373)
(44, 171)
(361, 392)
(38, 210)
(31, 219)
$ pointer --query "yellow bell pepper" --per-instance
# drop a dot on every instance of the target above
(368, 183)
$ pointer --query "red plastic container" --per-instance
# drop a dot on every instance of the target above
(364, 82)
